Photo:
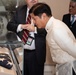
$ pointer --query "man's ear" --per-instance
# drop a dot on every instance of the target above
(43, 16)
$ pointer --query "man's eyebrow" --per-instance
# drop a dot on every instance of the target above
(72, 6)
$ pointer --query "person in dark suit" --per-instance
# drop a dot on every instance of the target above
(35, 53)
(67, 18)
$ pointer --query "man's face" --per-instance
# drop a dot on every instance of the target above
(72, 8)
(30, 3)
(38, 21)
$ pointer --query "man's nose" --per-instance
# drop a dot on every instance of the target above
(70, 7)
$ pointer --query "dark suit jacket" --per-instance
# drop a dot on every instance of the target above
(40, 39)
(66, 20)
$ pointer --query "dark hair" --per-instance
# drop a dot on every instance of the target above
(73, 0)
(39, 8)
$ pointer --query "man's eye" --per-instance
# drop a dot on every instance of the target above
(72, 6)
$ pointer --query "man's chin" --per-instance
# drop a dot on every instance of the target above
(70, 12)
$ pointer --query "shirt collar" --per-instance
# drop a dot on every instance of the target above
(27, 13)
(74, 18)
(72, 15)
(49, 23)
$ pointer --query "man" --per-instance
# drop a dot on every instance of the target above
(35, 47)
(68, 19)
(60, 39)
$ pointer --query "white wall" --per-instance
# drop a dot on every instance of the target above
(58, 7)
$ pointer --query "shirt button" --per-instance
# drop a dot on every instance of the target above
(70, 26)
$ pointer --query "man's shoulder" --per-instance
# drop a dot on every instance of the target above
(22, 7)
(66, 14)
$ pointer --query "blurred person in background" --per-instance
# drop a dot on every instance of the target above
(35, 47)
(70, 18)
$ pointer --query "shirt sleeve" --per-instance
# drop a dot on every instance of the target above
(19, 28)
(65, 41)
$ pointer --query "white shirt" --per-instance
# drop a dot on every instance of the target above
(61, 41)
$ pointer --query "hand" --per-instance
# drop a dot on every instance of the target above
(29, 27)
